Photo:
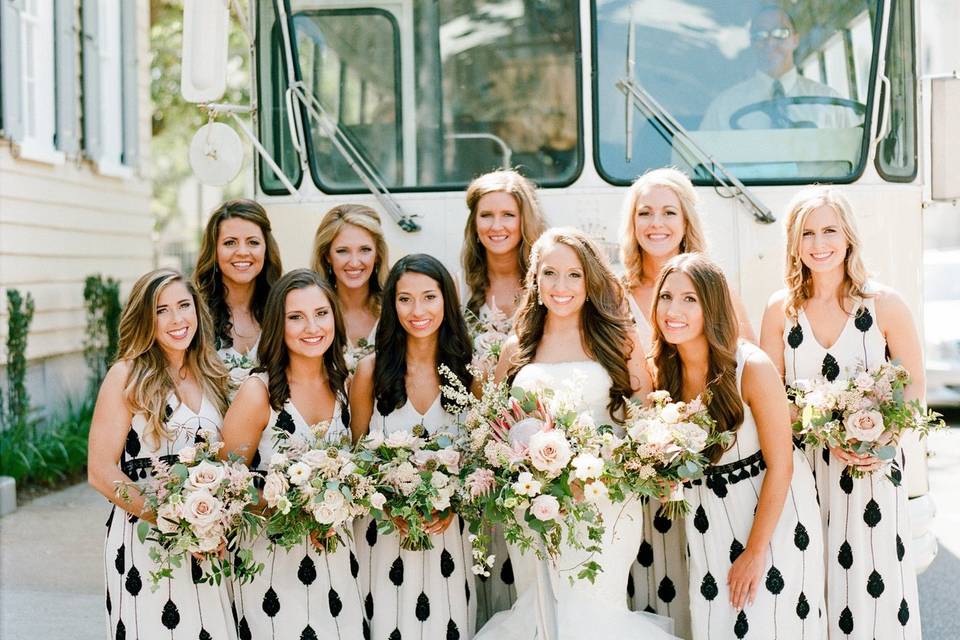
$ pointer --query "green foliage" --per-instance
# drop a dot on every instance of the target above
(16, 406)
(48, 455)
(101, 299)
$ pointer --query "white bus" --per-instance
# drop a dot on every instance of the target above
(400, 103)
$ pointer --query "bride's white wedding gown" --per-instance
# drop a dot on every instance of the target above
(582, 609)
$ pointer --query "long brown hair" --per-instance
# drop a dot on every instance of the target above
(473, 258)
(209, 280)
(149, 384)
(694, 239)
(272, 352)
(367, 219)
(604, 323)
(719, 328)
(797, 275)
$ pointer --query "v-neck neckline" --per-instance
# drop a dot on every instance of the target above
(304, 420)
(429, 409)
(836, 341)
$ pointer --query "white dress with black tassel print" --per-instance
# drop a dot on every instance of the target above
(872, 587)
(181, 607)
(302, 593)
(789, 600)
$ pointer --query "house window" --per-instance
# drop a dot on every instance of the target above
(111, 88)
(37, 104)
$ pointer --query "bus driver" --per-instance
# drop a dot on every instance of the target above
(776, 90)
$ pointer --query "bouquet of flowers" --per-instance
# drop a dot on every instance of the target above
(313, 490)
(201, 507)
(666, 441)
(538, 466)
(488, 331)
(239, 367)
(864, 414)
(415, 477)
(353, 355)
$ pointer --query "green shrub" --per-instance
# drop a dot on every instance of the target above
(49, 454)
(101, 299)
(15, 410)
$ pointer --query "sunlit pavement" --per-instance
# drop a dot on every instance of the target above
(51, 566)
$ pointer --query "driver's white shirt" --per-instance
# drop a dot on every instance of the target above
(759, 88)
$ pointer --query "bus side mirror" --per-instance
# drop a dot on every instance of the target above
(203, 70)
(945, 138)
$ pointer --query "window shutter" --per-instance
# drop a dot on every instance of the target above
(65, 37)
(10, 60)
(131, 91)
(91, 80)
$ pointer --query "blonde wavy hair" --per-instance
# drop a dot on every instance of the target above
(332, 223)
(605, 325)
(473, 258)
(149, 384)
(720, 330)
(797, 275)
(694, 240)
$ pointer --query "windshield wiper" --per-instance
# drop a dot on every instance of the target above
(640, 98)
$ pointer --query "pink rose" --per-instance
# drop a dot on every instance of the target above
(865, 426)
(545, 507)
(549, 451)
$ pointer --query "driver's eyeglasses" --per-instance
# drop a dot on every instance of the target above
(780, 33)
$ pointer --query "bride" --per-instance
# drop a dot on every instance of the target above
(572, 328)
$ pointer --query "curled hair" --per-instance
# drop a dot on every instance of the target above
(148, 383)
(209, 280)
(797, 275)
(604, 324)
(719, 328)
(332, 223)
(694, 239)
(473, 258)
(454, 348)
(273, 354)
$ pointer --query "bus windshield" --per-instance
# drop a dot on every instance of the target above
(431, 93)
(776, 91)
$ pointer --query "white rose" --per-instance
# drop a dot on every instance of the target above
(274, 486)
(586, 421)
(377, 500)
(865, 426)
(651, 432)
(670, 413)
(278, 460)
(545, 508)
(549, 451)
(334, 498)
(187, 455)
(168, 517)
(521, 432)
(210, 541)
(402, 440)
(587, 466)
(206, 476)
(321, 460)
(694, 437)
(374, 440)
(438, 480)
(299, 473)
(450, 458)
(201, 509)
(329, 514)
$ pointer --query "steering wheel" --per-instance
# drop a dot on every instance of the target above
(776, 108)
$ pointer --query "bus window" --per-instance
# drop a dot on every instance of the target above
(349, 59)
(897, 152)
(776, 91)
(486, 84)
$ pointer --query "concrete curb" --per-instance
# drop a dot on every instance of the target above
(8, 495)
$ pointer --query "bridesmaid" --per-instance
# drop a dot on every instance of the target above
(166, 387)
(754, 539)
(350, 251)
(505, 220)
(829, 300)
(303, 593)
(659, 221)
(415, 594)
(238, 263)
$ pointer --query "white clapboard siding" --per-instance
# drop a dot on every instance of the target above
(60, 223)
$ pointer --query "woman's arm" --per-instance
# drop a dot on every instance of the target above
(640, 380)
(763, 392)
(108, 433)
(896, 323)
(771, 331)
(506, 355)
(245, 421)
(361, 398)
